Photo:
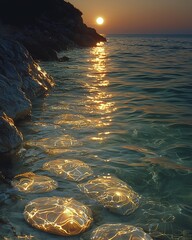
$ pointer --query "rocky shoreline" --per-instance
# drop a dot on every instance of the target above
(54, 25)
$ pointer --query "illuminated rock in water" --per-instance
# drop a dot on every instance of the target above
(112, 193)
(61, 216)
(73, 170)
(31, 183)
(47, 144)
(119, 232)
(77, 121)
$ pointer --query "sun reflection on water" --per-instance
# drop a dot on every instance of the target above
(99, 100)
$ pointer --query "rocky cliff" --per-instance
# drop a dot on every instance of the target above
(45, 27)
(21, 80)
(32, 29)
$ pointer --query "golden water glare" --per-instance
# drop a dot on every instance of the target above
(99, 100)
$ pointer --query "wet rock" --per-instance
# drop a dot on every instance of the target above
(119, 232)
(112, 193)
(21, 70)
(9, 232)
(63, 59)
(10, 137)
(32, 183)
(21, 80)
(61, 216)
(73, 170)
(13, 100)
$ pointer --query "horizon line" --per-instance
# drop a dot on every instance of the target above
(151, 34)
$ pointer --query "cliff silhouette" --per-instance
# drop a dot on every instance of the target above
(45, 27)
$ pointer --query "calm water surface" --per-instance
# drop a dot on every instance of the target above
(124, 108)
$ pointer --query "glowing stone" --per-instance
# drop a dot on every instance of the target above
(73, 170)
(112, 193)
(31, 183)
(76, 121)
(61, 216)
(119, 232)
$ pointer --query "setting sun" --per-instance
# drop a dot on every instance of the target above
(100, 20)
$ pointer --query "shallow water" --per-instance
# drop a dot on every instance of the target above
(124, 108)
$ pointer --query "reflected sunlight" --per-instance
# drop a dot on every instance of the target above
(99, 98)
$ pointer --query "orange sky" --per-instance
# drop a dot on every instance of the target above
(138, 16)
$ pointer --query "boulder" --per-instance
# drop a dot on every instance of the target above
(10, 137)
(12, 100)
(21, 79)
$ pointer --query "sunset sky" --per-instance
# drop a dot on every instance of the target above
(138, 16)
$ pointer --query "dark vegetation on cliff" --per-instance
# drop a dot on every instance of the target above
(45, 27)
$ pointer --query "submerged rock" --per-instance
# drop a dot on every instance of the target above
(73, 170)
(112, 193)
(57, 144)
(10, 137)
(31, 183)
(61, 216)
(119, 232)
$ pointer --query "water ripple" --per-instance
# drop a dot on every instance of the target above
(123, 108)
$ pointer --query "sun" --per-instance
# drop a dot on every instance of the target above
(100, 20)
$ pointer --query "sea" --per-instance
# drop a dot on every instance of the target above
(123, 107)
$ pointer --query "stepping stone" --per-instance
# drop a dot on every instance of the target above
(119, 232)
(30, 182)
(112, 193)
(73, 170)
(61, 216)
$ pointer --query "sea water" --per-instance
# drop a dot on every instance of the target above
(125, 108)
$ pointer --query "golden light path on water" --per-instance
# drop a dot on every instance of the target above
(99, 101)
(105, 113)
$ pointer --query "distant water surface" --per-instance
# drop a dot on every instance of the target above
(124, 108)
